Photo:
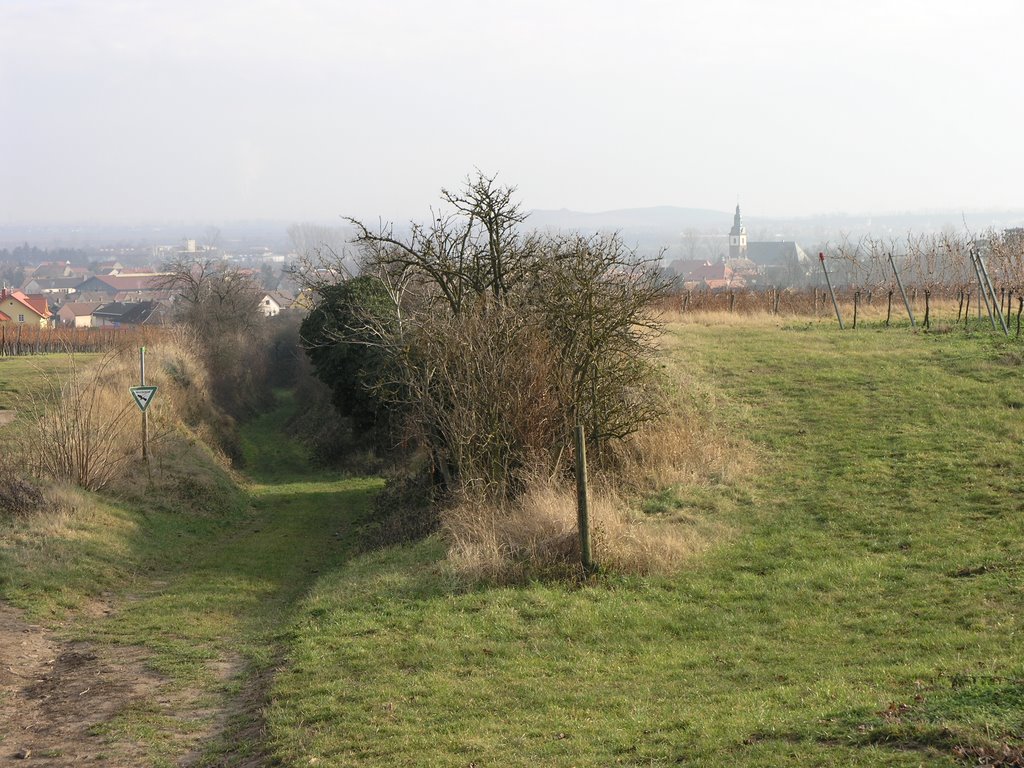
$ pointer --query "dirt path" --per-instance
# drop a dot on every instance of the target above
(72, 703)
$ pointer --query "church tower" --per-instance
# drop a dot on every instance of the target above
(737, 237)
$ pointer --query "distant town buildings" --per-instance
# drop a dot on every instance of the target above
(122, 285)
(746, 264)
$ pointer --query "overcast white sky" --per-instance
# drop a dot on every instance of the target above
(128, 110)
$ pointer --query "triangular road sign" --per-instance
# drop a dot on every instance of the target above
(143, 396)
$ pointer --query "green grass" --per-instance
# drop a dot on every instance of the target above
(866, 609)
(24, 374)
(876, 565)
(201, 573)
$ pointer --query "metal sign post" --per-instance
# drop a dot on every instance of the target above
(145, 416)
(143, 396)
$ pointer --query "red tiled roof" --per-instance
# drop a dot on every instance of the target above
(35, 303)
(38, 302)
(4, 317)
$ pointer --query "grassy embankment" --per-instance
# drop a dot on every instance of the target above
(187, 565)
(864, 610)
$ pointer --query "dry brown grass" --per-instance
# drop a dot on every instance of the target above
(88, 431)
(942, 310)
(536, 534)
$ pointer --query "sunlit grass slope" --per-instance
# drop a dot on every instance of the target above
(866, 611)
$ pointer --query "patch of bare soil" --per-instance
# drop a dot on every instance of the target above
(56, 699)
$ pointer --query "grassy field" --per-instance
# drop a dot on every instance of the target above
(19, 374)
(865, 608)
(867, 611)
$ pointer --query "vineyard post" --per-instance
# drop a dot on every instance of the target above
(856, 301)
(903, 293)
(1020, 307)
(985, 287)
(981, 292)
(832, 293)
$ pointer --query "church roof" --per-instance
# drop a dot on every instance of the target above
(768, 253)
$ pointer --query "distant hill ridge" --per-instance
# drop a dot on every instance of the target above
(657, 217)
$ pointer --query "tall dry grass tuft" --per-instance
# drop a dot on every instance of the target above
(536, 536)
(88, 428)
(81, 435)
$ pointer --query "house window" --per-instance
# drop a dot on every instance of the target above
(21, 318)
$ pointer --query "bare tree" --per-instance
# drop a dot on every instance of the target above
(212, 297)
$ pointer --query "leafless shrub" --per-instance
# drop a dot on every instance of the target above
(495, 343)
(81, 436)
(19, 496)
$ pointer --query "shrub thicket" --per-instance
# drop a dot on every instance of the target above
(489, 345)
(484, 346)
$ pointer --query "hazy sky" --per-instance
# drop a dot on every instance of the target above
(126, 110)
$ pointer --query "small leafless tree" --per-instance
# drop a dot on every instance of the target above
(212, 297)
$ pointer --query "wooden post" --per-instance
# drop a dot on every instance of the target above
(967, 309)
(927, 308)
(582, 509)
(888, 311)
(1020, 308)
(856, 301)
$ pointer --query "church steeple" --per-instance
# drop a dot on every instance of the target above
(737, 237)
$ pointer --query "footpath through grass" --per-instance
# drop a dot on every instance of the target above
(866, 613)
(200, 574)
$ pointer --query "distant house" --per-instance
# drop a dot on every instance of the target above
(274, 302)
(110, 267)
(705, 274)
(305, 300)
(51, 285)
(118, 313)
(77, 313)
(18, 308)
(107, 288)
(51, 269)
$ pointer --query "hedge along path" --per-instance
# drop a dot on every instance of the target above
(172, 667)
